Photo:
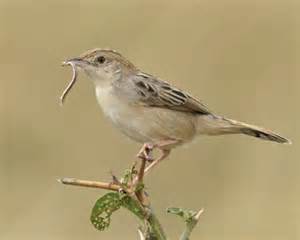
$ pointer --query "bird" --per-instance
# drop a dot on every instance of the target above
(151, 111)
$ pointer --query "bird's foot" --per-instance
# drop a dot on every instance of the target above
(146, 152)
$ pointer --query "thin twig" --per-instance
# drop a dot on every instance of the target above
(140, 180)
(142, 171)
(91, 184)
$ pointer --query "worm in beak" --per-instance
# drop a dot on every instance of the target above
(71, 83)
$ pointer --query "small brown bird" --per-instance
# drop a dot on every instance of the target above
(152, 111)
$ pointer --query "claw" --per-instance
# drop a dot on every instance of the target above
(145, 152)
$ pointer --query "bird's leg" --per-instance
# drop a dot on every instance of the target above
(163, 155)
(145, 152)
(164, 147)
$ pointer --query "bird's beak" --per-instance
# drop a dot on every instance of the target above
(78, 62)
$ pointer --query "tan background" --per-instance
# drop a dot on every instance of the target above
(240, 57)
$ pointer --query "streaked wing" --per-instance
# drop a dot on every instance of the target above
(157, 93)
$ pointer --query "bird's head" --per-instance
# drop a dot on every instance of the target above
(102, 65)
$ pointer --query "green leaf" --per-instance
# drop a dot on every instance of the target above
(187, 215)
(129, 174)
(127, 177)
(133, 206)
(111, 202)
(103, 209)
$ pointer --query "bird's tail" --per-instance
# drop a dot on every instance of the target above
(228, 126)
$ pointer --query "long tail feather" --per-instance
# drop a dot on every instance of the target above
(258, 132)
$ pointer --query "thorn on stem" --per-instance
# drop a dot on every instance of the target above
(199, 213)
(141, 235)
(115, 180)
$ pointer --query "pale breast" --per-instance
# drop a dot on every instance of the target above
(145, 124)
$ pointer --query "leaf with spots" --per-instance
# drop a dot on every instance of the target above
(133, 206)
(103, 209)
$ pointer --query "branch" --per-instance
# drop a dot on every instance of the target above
(190, 226)
(137, 197)
(140, 182)
(155, 227)
(90, 184)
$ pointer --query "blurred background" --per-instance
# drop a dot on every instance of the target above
(241, 58)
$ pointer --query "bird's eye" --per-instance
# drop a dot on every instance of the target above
(100, 59)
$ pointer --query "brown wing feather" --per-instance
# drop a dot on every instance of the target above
(158, 93)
